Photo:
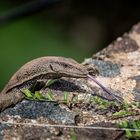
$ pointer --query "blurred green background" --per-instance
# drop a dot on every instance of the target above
(71, 28)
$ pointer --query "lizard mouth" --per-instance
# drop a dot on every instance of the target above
(75, 75)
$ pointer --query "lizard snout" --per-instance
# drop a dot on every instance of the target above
(92, 69)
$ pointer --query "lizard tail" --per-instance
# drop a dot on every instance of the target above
(10, 99)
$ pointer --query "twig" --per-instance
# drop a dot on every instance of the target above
(70, 126)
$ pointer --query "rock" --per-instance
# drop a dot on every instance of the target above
(119, 71)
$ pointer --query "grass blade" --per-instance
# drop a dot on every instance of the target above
(50, 96)
(28, 93)
(38, 95)
(50, 82)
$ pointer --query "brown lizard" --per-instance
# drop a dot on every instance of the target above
(39, 70)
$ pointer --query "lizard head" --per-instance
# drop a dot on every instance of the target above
(71, 68)
(92, 69)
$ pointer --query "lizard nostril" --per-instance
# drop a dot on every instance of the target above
(65, 65)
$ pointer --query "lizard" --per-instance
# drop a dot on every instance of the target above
(38, 71)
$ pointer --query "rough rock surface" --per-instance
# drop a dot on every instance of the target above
(119, 71)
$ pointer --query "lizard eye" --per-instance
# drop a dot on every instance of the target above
(65, 65)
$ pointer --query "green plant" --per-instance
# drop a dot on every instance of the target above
(135, 125)
(37, 95)
(102, 103)
(127, 109)
(28, 94)
(122, 113)
(49, 96)
(65, 97)
(50, 82)
(73, 136)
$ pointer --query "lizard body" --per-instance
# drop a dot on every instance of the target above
(42, 68)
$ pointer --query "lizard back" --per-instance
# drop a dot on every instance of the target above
(41, 66)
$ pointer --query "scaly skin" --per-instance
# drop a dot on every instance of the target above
(40, 69)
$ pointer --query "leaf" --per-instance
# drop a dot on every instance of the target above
(138, 134)
(50, 81)
(124, 124)
(38, 95)
(65, 96)
(50, 96)
(132, 125)
(73, 136)
(138, 124)
(135, 125)
(27, 93)
(123, 113)
(129, 134)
